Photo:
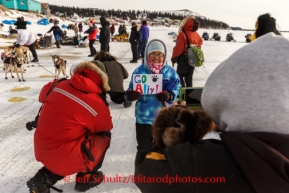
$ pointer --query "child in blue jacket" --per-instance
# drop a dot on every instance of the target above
(147, 105)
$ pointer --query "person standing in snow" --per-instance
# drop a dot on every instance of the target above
(254, 140)
(20, 23)
(188, 27)
(147, 105)
(120, 30)
(134, 41)
(57, 33)
(104, 34)
(80, 28)
(92, 33)
(112, 29)
(73, 130)
(28, 39)
(144, 36)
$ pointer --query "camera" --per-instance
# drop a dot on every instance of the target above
(32, 124)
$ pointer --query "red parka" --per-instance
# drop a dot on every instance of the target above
(72, 111)
(181, 42)
(112, 29)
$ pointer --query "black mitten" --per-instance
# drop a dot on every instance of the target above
(165, 96)
(132, 95)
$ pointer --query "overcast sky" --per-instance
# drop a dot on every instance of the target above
(235, 13)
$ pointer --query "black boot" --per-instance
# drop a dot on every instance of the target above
(43, 181)
(85, 181)
(35, 60)
(57, 44)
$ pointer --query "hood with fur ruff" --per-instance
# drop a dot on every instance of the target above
(88, 77)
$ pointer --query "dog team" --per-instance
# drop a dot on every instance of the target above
(15, 58)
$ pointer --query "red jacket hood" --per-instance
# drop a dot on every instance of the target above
(189, 25)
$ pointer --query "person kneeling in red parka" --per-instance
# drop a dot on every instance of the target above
(73, 130)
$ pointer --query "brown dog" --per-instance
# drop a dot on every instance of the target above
(59, 65)
(27, 53)
(175, 125)
(37, 46)
(15, 61)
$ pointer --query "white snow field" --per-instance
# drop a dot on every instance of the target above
(17, 161)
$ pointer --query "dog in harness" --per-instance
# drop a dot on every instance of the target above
(59, 65)
(26, 52)
(15, 61)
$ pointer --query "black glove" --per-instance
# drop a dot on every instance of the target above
(132, 95)
(165, 96)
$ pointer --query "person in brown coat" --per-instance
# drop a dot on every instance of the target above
(116, 74)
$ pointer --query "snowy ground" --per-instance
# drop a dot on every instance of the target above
(17, 162)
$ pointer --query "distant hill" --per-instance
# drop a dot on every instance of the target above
(240, 29)
(134, 14)
(182, 12)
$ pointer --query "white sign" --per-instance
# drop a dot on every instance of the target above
(148, 83)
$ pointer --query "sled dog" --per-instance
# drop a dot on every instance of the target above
(15, 61)
(59, 65)
(27, 53)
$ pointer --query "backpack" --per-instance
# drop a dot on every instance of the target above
(195, 54)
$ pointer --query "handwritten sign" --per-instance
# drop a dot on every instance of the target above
(148, 83)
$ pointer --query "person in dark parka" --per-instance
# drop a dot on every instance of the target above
(253, 153)
(134, 40)
(20, 23)
(104, 34)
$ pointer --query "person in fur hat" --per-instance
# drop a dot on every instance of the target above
(80, 28)
(187, 29)
(265, 24)
(73, 130)
(92, 33)
(252, 112)
(147, 105)
(175, 125)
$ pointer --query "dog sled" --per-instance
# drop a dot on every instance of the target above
(69, 40)
(45, 41)
(205, 36)
(216, 37)
(121, 38)
(248, 37)
(230, 37)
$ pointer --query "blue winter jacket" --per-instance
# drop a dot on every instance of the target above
(145, 33)
(147, 106)
(56, 30)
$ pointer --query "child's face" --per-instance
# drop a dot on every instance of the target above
(156, 57)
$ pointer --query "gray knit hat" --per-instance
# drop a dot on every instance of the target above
(249, 91)
(156, 46)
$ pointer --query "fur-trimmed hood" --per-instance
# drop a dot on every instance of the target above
(87, 77)
(187, 24)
